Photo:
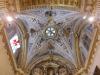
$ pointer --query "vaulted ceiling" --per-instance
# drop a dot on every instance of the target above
(51, 32)
(55, 35)
(37, 22)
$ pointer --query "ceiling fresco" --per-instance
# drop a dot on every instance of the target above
(54, 34)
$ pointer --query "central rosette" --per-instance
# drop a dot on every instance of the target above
(50, 32)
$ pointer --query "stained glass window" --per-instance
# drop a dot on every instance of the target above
(15, 43)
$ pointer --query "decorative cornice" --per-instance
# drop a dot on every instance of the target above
(29, 4)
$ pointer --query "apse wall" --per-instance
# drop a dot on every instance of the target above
(5, 66)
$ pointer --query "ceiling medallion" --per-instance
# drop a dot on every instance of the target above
(50, 32)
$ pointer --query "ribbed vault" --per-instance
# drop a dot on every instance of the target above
(56, 35)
